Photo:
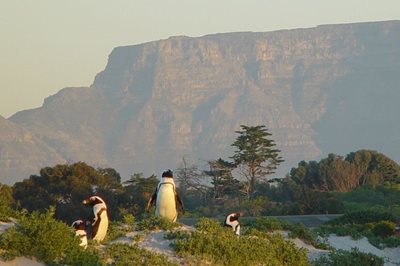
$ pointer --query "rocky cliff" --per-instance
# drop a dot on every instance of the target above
(332, 88)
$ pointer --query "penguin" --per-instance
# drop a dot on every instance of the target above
(80, 230)
(99, 222)
(232, 220)
(166, 198)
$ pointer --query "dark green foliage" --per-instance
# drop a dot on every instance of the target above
(384, 242)
(364, 179)
(296, 230)
(337, 174)
(212, 242)
(349, 258)
(222, 181)
(255, 156)
(137, 192)
(356, 231)
(378, 227)
(40, 236)
(152, 222)
(127, 255)
(269, 224)
(380, 198)
(176, 234)
(383, 228)
(65, 186)
(363, 217)
(6, 200)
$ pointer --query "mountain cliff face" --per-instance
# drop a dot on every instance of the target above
(332, 88)
(21, 151)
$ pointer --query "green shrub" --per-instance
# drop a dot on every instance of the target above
(349, 258)
(128, 219)
(269, 224)
(363, 217)
(40, 236)
(391, 241)
(122, 254)
(383, 229)
(213, 243)
(6, 212)
(152, 223)
(207, 225)
(299, 230)
(116, 230)
(176, 234)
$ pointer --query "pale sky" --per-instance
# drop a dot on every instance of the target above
(47, 45)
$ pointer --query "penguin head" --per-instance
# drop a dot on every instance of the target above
(168, 173)
(93, 200)
(79, 225)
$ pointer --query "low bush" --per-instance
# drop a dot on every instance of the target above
(383, 228)
(153, 222)
(269, 224)
(176, 235)
(212, 242)
(349, 258)
(39, 235)
(362, 217)
(6, 212)
(299, 230)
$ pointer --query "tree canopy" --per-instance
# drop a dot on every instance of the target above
(255, 156)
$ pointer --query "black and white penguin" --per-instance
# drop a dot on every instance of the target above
(232, 220)
(80, 230)
(100, 220)
(166, 198)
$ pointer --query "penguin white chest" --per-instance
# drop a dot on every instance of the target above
(166, 204)
(100, 224)
(82, 236)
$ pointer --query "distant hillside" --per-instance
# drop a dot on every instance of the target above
(333, 88)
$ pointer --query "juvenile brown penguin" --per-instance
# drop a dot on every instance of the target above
(80, 230)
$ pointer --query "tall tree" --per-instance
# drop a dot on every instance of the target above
(190, 178)
(222, 181)
(255, 156)
(137, 192)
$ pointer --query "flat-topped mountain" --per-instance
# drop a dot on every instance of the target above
(329, 89)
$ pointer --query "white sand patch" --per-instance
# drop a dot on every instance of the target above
(21, 261)
(312, 252)
(155, 242)
(4, 226)
(390, 255)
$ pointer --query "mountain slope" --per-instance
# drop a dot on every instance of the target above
(332, 88)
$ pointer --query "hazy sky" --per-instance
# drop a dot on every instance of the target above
(47, 45)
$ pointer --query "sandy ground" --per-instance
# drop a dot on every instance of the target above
(21, 261)
(390, 255)
(4, 226)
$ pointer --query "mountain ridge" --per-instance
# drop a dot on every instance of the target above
(186, 96)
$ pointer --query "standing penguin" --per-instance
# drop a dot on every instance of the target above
(100, 220)
(232, 220)
(166, 198)
(80, 230)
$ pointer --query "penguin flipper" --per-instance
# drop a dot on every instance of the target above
(179, 201)
(151, 200)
